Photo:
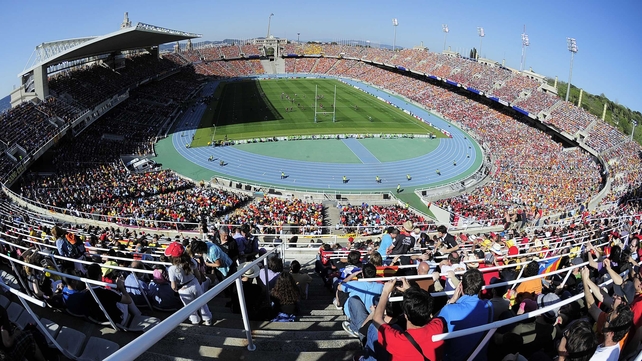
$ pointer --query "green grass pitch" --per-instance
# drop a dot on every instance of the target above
(261, 108)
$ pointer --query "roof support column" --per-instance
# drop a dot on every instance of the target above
(41, 82)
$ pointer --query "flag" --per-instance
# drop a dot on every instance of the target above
(550, 265)
(386, 271)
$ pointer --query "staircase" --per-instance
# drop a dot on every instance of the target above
(267, 66)
(332, 213)
(318, 335)
(279, 65)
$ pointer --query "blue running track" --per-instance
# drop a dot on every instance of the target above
(264, 170)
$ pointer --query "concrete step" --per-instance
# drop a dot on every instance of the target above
(193, 343)
(186, 330)
(304, 325)
(329, 311)
(210, 353)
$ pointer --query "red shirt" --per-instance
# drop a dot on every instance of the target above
(636, 307)
(397, 344)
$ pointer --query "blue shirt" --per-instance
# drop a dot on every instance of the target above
(366, 291)
(468, 311)
(386, 242)
(214, 253)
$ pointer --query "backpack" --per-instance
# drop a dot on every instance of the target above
(73, 244)
(252, 245)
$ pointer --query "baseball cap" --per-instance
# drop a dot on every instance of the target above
(513, 251)
(175, 249)
(625, 290)
(158, 276)
(106, 270)
(545, 300)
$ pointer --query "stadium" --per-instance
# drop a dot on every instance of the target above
(155, 200)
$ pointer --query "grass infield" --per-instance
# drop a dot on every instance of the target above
(285, 107)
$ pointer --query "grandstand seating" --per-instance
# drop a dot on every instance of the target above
(525, 160)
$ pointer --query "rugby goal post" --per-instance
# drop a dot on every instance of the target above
(316, 106)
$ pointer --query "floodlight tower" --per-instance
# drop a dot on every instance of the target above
(269, 20)
(444, 27)
(480, 32)
(525, 42)
(572, 47)
(395, 23)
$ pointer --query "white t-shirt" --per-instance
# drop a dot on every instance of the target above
(178, 275)
(455, 268)
(611, 353)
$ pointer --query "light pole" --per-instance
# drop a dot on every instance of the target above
(269, 20)
(634, 124)
(444, 27)
(395, 23)
(480, 31)
(525, 43)
(572, 47)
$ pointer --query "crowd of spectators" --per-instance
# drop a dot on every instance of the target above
(26, 126)
(466, 263)
(272, 215)
(93, 85)
(570, 118)
(372, 219)
(230, 51)
(625, 165)
(603, 136)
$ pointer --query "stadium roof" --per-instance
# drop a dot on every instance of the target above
(136, 37)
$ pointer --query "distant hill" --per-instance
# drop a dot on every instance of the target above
(5, 103)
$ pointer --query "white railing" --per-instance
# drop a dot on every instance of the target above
(492, 327)
(88, 282)
(148, 339)
(25, 300)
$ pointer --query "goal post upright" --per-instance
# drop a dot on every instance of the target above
(316, 97)
(334, 105)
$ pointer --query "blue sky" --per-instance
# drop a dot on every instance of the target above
(608, 34)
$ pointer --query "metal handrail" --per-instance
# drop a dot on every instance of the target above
(493, 326)
(148, 339)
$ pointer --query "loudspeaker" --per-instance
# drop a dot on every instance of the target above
(248, 187)
(386, 196)
(271, 190)
(239, 185)
(338, 196)
(423, 193)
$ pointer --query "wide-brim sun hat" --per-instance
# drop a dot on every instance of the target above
(252, 272)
